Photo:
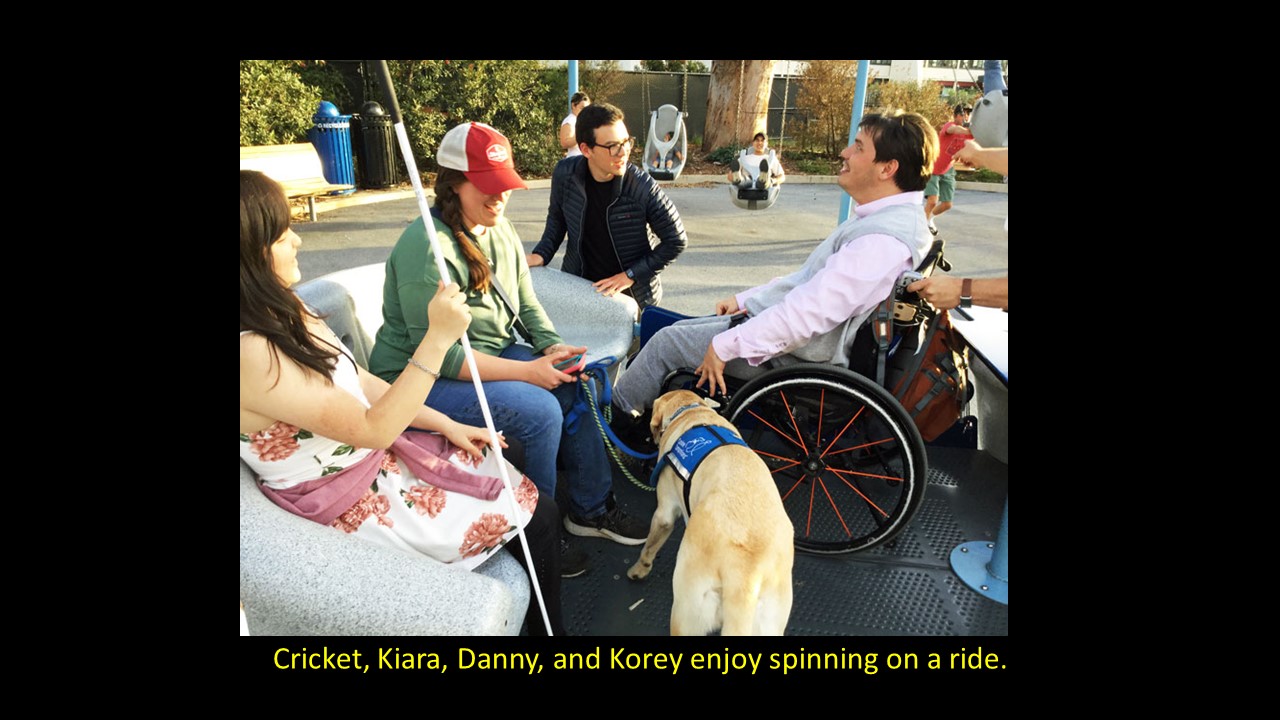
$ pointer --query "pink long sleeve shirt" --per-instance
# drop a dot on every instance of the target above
(854, 279)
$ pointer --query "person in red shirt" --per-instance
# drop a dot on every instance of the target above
(942, 185)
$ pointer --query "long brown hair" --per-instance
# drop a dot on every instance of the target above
(450, 206)
(267, 307)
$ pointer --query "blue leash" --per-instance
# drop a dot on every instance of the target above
(585, 404)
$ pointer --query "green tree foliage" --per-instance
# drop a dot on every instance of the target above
(601, 79)
(510, 95)
(330, 82)
(674, 66)
(925, 98)
(276, 106)
(824, 101)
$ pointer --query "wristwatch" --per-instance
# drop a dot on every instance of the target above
(630, 275)
(966, 293)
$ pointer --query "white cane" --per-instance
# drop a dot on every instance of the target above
(407, 152)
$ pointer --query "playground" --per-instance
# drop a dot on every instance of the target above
(942, 570)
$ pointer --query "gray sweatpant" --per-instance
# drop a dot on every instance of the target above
(682, 344)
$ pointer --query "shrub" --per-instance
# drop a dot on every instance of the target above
(329, 81)
(925, 99)
(276, 106)
(510, 95)
(824, 101)
(723, 154)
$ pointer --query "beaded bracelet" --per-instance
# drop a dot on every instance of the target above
(414, 362)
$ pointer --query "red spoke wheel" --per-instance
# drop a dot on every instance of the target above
(849, 463)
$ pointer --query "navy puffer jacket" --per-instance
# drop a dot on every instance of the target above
(644, 226)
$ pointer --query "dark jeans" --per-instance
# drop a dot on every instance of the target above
(535, 417)
(543, 535)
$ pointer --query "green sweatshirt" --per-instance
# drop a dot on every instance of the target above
(411, 282)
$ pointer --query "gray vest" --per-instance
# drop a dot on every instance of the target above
(905, 222)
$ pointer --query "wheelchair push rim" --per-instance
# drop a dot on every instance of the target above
(848, 461)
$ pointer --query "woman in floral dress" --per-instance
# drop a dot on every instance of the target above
(335, 444)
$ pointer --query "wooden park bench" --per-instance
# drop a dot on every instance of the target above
(296, 167)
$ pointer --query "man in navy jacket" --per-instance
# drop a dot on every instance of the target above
(623, 230)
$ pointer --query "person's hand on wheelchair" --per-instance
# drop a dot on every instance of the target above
(711, 371)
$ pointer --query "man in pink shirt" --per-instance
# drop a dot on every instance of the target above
(812, 314)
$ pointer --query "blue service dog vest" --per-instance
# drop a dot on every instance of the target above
(691, 449)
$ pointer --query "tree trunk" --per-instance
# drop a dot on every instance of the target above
(737, 102)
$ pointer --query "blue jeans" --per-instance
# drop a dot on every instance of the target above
(535, 417)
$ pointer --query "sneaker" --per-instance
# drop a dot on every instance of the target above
(762, 180)
(614, 524)
(573, 561)
(933, 228)
(632, 430)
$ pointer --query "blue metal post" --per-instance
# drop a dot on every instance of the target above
(992, 76)
(984, 566)
(859, 97)
(999, 565)
(573, 81)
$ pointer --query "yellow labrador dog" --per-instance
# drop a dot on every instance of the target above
(733, 570)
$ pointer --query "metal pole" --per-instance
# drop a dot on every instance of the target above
(573, 81)
(393, 106)
(859, 97)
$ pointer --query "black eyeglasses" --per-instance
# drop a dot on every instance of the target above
(616, 149)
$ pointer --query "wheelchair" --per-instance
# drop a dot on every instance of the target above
(848, 460)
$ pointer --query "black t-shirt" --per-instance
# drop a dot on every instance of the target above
(599, 259)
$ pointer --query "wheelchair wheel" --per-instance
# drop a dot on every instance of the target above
(849, 463)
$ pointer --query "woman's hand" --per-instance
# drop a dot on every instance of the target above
(542, 372)
(448, 313)
(470, 438)
(534, 260)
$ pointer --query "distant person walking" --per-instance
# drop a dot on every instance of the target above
(568, 126)
(941, 189)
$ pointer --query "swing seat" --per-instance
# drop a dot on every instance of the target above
(666, 119)
(753, 198)
(990, 120)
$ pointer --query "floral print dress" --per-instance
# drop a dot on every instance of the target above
(398, 510)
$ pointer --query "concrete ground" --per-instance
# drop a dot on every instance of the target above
(729, 249)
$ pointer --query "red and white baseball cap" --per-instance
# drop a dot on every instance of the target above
(483, 154)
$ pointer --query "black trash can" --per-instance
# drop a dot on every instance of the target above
(377, 148)
(331, 136)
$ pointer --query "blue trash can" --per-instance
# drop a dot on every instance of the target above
(331, 136)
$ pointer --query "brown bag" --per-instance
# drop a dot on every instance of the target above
(932, 383)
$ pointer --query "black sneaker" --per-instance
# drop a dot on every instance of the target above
(762, 180)
(632, 430)
(614, 524)
(573, 561)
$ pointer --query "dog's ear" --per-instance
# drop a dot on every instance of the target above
(655, 425)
